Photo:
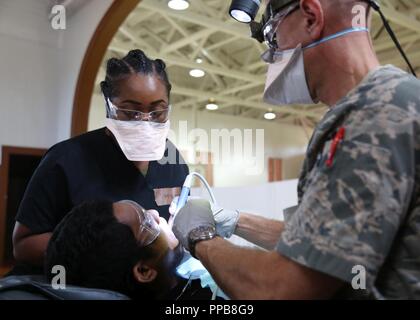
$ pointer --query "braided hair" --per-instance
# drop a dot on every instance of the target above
(135, 62)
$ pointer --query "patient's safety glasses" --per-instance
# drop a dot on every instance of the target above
(149, 228)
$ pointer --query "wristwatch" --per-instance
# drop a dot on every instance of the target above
(200, 234)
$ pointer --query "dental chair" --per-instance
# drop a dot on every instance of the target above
(36, 288)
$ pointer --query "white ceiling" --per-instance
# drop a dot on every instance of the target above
(235, 74)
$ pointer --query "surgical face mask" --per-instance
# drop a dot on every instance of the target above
(140, 140)
(286, 80)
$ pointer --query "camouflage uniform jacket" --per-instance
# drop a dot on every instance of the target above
(364, 208)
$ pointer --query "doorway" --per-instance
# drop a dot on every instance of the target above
(17, 167)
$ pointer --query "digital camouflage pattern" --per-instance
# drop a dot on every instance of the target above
(365, 208)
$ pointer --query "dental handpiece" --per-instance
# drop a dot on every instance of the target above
(186, 188)
(183, 197)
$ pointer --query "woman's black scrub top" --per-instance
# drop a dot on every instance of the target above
(93, 167)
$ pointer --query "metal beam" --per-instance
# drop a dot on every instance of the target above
(237, 30)
(241, 88)
(251, 104)
(398, 60)
(220, 43)
(212, 57)
(190, 39)
(401, 19)
(192, 64)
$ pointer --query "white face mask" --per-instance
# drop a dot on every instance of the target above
(140, 140)
(286, 81)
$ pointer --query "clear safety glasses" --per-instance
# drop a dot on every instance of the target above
(149, 229)
(270, 28)
(270, 32)
(161, 115)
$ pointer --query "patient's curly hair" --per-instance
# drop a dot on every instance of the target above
(96, 250)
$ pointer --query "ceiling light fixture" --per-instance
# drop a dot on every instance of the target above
(197, 73)
(270, 115)
(178, 4)
(212, 106)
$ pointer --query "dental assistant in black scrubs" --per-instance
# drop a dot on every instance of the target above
(113, 163)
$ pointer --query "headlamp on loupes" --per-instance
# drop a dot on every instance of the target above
(276, 10)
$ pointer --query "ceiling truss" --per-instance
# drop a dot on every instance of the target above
(235, 74)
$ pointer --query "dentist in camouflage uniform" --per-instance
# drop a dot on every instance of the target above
(356, 230)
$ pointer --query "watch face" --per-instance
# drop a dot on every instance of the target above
(200, 234)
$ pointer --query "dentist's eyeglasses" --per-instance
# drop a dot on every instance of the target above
(270, 28)
(161, 115)
(270, 33)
